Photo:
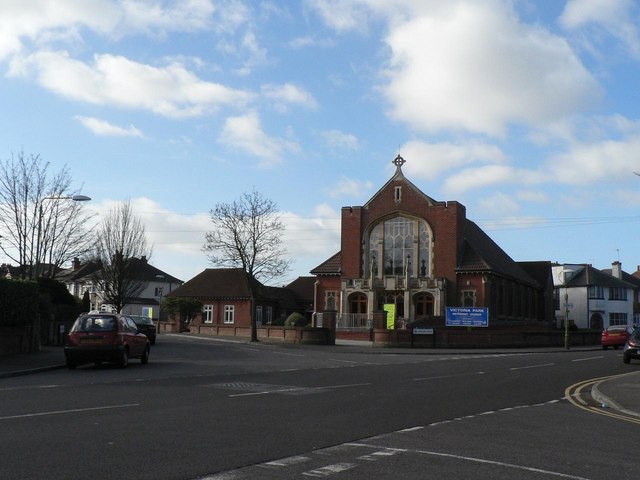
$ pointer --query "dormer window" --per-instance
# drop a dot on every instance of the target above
(397, 194)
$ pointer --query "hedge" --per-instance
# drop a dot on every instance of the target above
(19, 302)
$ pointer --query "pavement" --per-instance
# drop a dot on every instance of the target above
(621, 392)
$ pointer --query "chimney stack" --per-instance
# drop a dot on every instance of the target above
(616, 270)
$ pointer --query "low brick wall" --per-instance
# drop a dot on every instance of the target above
(462, 338)
(302, 335)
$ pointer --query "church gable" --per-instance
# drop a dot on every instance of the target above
(397, 191)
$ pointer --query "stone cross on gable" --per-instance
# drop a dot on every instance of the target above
(399, 161)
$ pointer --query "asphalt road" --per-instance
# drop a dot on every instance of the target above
(209, 409)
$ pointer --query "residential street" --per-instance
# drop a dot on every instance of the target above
(204, 408)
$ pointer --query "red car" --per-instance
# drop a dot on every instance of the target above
(614, 336)
(105, 337)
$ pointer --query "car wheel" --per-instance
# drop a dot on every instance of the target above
(124, 359)
(626, 359)
(144, 359)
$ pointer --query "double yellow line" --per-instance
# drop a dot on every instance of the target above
(574, 395)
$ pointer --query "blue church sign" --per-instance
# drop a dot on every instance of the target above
(467, 317)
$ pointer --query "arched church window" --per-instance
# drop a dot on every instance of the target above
(394, 245)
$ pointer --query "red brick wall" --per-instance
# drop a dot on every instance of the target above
(327, 283)
(351, 241)
(242, 316)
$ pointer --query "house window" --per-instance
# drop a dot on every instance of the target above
(158, 291)
(259, 315)
(207, 313)
(330, 300)
(617, 318)
(229, 313)
(617, 293)
(468, 298)
(596, 291)
(269, 315)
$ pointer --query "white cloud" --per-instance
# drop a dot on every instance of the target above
(245, 133)
(428, 160)
(318, 234)
(338, 139)
(176, 239)
(586, 163)
(349, 187)
(171, 91)
(474, 178)
(532, 196)
(342, 15)
(44, 21)
(618, 18)
(475, 67)
(104, 128)
(310, 41)
(498, 205)
(289, 94)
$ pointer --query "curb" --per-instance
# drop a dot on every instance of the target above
(603, 399)
(19, 373)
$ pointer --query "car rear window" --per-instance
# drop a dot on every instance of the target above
(142, 320)
(97, 323)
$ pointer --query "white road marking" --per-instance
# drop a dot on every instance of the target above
(589, 358)
(75, 410)
(285, 462)
(448, 376)
(532, 366)
(29, 387)
(330, 470)
(478, 460)
(294, 389)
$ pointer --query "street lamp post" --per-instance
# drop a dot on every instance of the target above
(75, 198)
(161, 291)
(566, 318)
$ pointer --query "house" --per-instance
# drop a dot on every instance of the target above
(85, 277)
(592, 298)
(632, 278)
(227, 295)
(418, 256)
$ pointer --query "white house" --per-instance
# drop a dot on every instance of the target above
(82, 277)
(590, 298)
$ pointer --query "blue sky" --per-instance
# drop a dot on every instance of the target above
(525, 111)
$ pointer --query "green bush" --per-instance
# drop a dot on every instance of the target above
(295, 320)
(19, 302)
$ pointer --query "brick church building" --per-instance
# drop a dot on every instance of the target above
(405, 249)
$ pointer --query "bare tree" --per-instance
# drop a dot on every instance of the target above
(37, 223)
(122, 249)
(248, 234)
